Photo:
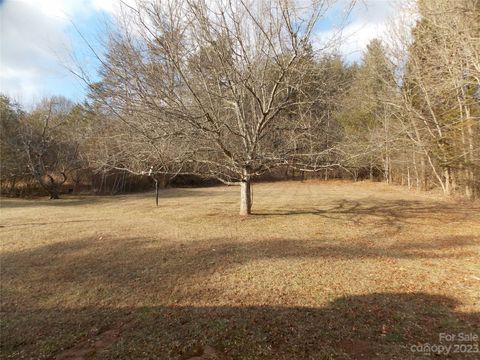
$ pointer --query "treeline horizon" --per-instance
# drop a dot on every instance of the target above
(234, 97)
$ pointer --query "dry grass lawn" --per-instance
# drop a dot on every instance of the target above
(322, 270)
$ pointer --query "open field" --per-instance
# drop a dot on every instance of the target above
(323, 270)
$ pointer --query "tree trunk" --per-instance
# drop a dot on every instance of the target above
(53, 194)
(245, 197)
(409, 180)
(415, 170)
(447, 188)
(50, 187)
(423, 174)
(471, 180)
(453, 181)
(387, 170)
(12, 186)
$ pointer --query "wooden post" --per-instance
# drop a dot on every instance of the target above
(156, 191)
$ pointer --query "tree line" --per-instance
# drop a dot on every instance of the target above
(243, 90)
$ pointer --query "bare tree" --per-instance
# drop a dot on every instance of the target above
(224, 82)
(46, 141)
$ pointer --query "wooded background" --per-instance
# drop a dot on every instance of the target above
(195, 95)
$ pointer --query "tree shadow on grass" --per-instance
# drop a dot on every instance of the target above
(387, 212)
(358, 327)
(111, 269)
(373, 326)
(121, 265)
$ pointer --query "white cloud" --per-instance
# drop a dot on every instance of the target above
(34, 45)
(368, 20)
(358, 35)
(109, 6)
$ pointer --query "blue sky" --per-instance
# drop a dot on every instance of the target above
(39, 41)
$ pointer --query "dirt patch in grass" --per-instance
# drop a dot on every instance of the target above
(323, 270)
(97, 342)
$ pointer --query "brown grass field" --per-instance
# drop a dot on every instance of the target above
(329, 270)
